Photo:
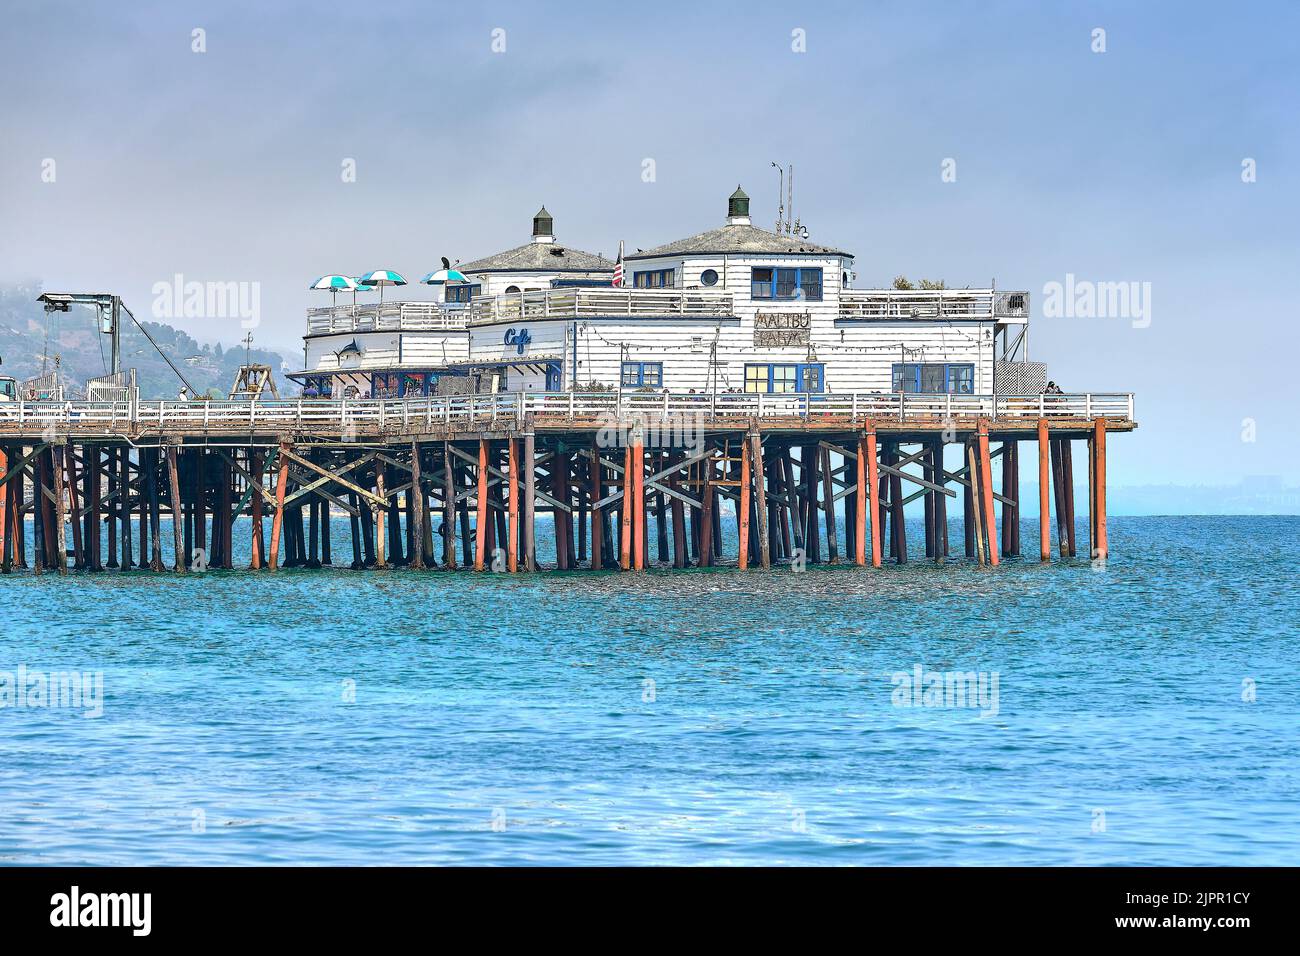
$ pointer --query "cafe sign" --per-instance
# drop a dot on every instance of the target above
(519, 338)
(782, 329)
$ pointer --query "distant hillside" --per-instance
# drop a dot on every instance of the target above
(85, 354)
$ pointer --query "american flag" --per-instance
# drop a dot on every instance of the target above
(618, 267)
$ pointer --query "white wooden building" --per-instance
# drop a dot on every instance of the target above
(734, 308)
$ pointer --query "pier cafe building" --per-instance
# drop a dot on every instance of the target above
(735, 308)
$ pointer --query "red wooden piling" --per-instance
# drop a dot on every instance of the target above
(628, 512)
(281, 485)
(986, 491)
(638, 513)
(975, 510)
(873, 494)
(1044, 490)
(1100, 546)
(5, 511)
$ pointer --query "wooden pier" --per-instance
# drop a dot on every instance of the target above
(630, 480)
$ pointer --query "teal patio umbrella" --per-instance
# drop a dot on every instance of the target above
(380, 278)
(335, 284)
(444, 275)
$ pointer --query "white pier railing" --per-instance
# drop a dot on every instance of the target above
(53, 419)
(579, 303)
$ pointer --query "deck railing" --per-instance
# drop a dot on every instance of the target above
(933, 304)
(517, 307)
(389, 317)
(546, 407)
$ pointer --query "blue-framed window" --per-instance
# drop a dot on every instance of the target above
(553, 376)
(460, 293)
(655, 279)
(934, 377)
(642, 374)
(782, 378)
(786, 284)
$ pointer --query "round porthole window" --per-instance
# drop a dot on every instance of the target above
(709, 277)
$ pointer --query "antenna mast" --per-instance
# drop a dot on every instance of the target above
(789, 226)
(780, 210)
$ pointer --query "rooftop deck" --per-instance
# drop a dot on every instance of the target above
(351, 419)
(580, 303)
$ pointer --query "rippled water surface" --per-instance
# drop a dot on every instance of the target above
(512, 720)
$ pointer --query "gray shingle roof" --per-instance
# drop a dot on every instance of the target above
(540, 257)
(737, 239)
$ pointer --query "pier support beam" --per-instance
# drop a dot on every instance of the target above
(1100, 547)
(1067, 481)
(639, 542)
(975, 538)
(277, 523)
(742, 509)
(628, 512)
(1058, 494)
(60, 515)
(415, 517)
(512, 529)
(760, 499)
(940, 502)
(481, 500)
(448, 506)
(1044, 491)
(986, 493)
(705, 558)
(828, 494)
(179, 562)
(597, 515)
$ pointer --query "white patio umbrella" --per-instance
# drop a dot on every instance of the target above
(381, 278)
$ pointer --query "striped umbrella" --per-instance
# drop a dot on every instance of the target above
(444, 275)
(381, 278)
(334, 284)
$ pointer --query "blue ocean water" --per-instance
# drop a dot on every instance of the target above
(1145, 714)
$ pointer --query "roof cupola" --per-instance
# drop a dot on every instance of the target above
(543, 226)
(738, 208)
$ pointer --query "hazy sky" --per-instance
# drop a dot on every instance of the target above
(1117, 166)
